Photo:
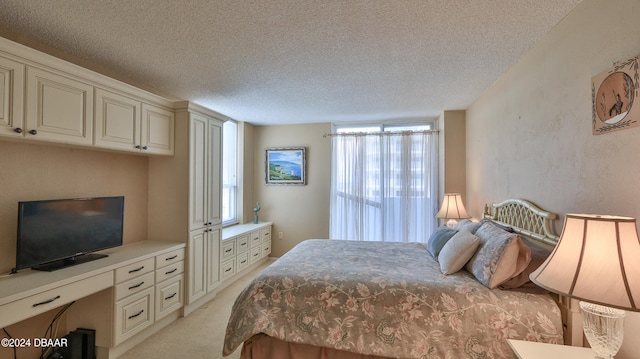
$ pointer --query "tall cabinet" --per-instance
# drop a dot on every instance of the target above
(184, 198)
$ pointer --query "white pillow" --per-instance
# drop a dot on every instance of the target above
(457, 251)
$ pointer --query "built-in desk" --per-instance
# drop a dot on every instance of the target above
(133, 273)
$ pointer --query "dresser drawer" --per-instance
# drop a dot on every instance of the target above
(134, 285)
(169, 258)
(242, 244)
(265, 234)
(242, 261)
(228, 249)
(133, 270)
(19, 310)
(266, 248)
(133, 314)
(169, 271)
(255, 255)
(169, 297)
(255, 238)
(228, 268)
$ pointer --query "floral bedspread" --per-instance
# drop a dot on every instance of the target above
(386, 299)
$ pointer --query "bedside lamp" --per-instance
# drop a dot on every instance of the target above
(452, 209)
(596, 261)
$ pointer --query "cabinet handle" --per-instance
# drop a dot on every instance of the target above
(171, 271)
(47, 301)
(256, 254)
(17, 130)
(136, 286)
(172, 257)
(228, 250)
(33, 132)
(136, 270)
(227, 270)
(243, 262)
(171, 296)
(137, 314)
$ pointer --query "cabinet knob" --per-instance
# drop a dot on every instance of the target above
(33, 132)
(138, 146)
(17, 130)
(145, 148)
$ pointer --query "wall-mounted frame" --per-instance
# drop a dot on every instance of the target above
(613, 94)
(285, 166)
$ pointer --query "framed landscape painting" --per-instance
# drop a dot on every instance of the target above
(285, 166)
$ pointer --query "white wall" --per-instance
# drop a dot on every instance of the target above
(529, 136)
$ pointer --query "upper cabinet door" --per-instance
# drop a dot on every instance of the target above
(157, 131)
(117, 123)
(11, 97)
(59, 109)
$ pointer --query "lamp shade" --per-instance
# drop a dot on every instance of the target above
(452, 207)
(597, 260)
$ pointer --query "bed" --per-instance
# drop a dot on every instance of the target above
(372, 300)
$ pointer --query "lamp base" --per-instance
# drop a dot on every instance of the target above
(451, 223)
(603, 327)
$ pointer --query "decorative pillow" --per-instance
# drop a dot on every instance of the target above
(500, 256)
(467, 224)
(457, 251)
(438, 239)
(501, 226)
(538, 256)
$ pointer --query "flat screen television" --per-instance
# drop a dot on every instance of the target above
(54, 234)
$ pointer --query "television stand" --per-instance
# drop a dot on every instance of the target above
(68, 262)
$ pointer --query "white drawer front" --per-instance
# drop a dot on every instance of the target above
(169, 271)
(242, 261)
(265, 234)
(133, 270)
(255, 238)
(242, 244)
(19, 310)
(169, 297)
(169, 258)
(228, 249)
(255, 255)
(134, 314)
(134, 285)
(266, 249)
(228, 268)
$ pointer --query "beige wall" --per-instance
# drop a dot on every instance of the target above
(529, 136)
(452, 157)
(35, 171)
(299, 212)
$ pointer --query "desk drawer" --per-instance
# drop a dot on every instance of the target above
(133, 314)
(134, 285)
(39, 303)
(134, 270)
(168, 297)
(169, 271)
(169, 258)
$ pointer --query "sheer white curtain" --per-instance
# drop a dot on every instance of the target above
(383, 186)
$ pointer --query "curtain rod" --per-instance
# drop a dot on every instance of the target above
(380, 133)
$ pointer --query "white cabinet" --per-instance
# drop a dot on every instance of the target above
(243, 246)
(169, 283)
(125, 123)
(58, 108)
(11, 97)
(205, 159)
(204, 274)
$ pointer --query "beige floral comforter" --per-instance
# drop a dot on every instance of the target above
(386, 299)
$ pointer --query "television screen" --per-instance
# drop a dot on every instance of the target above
(66, 229)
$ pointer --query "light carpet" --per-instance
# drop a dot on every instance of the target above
(201, 333)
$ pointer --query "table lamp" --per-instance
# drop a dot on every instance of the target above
(452, 209)
(597, 262)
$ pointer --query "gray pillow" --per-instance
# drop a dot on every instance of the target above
(438, 239)
(457, 252)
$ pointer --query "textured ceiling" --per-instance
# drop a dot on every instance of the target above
(296, 61)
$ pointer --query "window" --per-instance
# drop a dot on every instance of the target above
(383, 182)
(229, 172)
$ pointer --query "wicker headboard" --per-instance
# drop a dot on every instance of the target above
(525, 218)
